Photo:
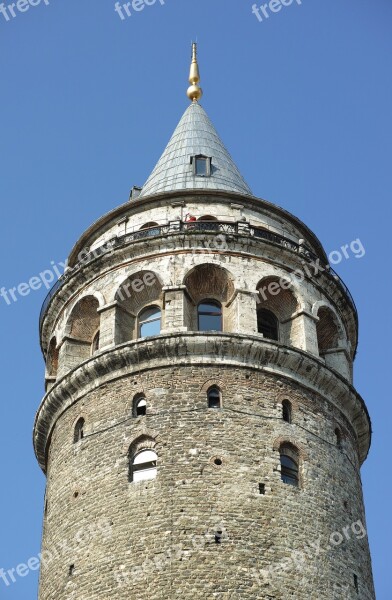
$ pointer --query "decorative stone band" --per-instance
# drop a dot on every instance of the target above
(195, 348)
(68, 288)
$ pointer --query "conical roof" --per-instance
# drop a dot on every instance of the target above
(195, 136)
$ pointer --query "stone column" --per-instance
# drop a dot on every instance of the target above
(175, 308)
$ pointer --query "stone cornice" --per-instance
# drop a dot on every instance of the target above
(194, 348)
(144, 203)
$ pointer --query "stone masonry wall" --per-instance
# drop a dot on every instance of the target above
(106, 537)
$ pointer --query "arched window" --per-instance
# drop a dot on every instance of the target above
(148, 229)
(79, 430)
(150, 321)
(289, 465)
(148, 225)
(95, 344)
(209, 313)
(144, 466)
(214, 397)
(286, 411)
(139, 406)
(267, 324)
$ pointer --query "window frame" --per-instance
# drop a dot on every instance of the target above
(214, 388)
(290, 475)
(208, 165)
(140, 324)
(144, 466)
(211, 302)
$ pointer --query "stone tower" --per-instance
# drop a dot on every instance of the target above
(200, 431)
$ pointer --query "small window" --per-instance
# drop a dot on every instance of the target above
(356, 584)
(267, 324)
(218, 536)
(95, 344)
(289, 465)
(79, 431)
(209, 316)
(144, 466)
(262, 489)
(150, 321)
(201, 165)
(286, 411)
(214, 397)
(140, 407)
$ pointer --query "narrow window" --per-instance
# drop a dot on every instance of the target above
(262, 488)
(289, 465)
(267, 324)
(79, 431)
(286, 411)
(71, 570)
(356, 584)
(95, 344)
(140, 407)
(218, 536)
(214, 397)
(209, 315)
(150, 321)
(338, 438)
(144, 466)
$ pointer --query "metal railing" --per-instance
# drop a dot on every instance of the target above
(240, 228)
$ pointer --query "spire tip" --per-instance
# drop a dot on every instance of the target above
(194, 92)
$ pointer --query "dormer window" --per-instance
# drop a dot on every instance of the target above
(201, 165)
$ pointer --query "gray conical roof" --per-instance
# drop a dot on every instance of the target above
(194, 135)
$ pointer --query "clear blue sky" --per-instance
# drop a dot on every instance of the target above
(88, 102)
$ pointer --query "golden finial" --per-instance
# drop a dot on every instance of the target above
(194, 91)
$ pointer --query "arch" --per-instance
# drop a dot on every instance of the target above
(78, 434)
(276, 298)
(52, 361)
(289, 464)
(148, 225)
(137, 292)
(214, 397)
(332, 341)
(143, 460)
(149, 321)
(207, 218)
(84, 319)
(328, 330)
(287, 411)
(212, 283)
(82, 325)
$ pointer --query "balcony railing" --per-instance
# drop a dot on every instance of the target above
(239, 228)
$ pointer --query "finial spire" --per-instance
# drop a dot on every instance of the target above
(194, 91)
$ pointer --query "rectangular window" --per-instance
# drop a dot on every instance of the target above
(201, 166)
